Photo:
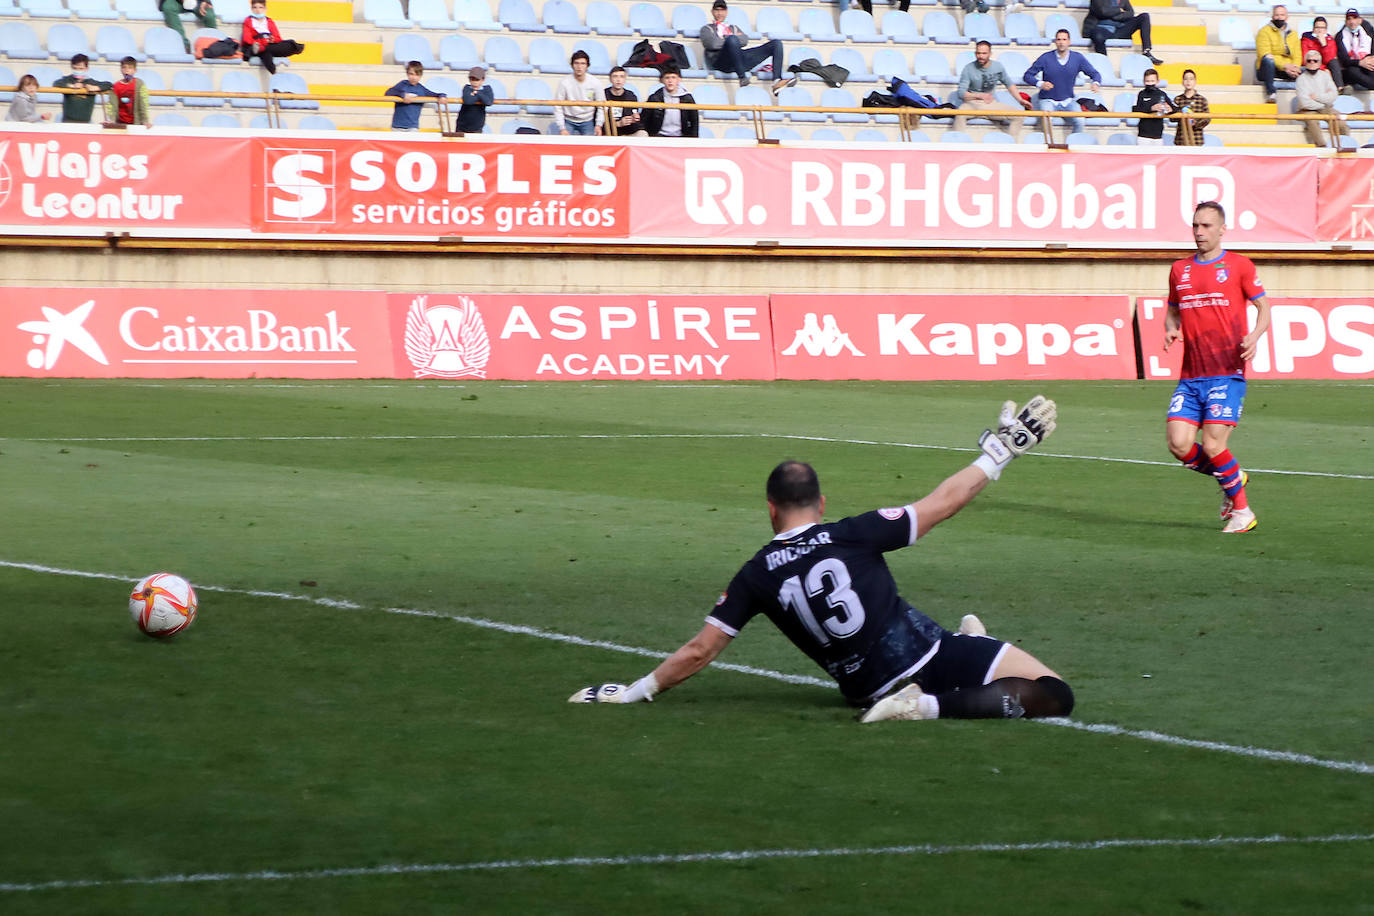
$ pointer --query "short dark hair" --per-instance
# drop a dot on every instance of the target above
(984, 42)
(1321, 19)
(80, 59)
(1150, 71)
(1065, 31)
(129, 60)
(1212, 205)
(668, 68)
(794, 484)
(414, 65)
(617, 69)
(579, 54)
(1186, 72)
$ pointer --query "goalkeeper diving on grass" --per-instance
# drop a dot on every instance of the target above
(828, 588)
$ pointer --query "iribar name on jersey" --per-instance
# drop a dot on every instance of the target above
(776, 558)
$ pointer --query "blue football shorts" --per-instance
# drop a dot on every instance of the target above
(1199, 401)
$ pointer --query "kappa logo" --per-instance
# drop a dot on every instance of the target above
(58, 331)
(447, 341)
(821, 337)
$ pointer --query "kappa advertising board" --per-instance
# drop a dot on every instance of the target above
(1307, 339)
(416, 188)
(163, 333)
(552, 337)
(897, 198)
(919, 338)
(94, 183)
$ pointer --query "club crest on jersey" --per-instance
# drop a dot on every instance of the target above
(892, 513)
(1222, 274)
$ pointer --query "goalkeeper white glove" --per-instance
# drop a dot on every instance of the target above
(1017, 433)
(641, 691)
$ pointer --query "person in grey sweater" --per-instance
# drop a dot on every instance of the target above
(24, 107)
(1317, 92)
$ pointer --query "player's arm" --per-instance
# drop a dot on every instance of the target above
(1250, 342)
(1017, 433)
(695, 654)
(1173, 325)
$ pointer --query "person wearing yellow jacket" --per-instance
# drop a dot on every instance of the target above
(1277, 50)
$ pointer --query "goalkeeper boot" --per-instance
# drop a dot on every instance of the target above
(1241, 520)
(911, 702)
(970, 625)
(1226, 497)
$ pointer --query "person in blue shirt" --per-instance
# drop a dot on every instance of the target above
(1054, 73)
(413, 94)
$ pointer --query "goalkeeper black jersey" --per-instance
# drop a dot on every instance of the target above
(828, 588)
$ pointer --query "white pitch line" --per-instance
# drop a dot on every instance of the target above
(1348, 766)
(688, 858)
(569, 436)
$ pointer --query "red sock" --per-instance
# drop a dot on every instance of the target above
(1228, 474)
(1198, 461)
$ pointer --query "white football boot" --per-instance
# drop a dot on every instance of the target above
(904, 704)
(1241, 520)
(1226, 499)
(970, 625)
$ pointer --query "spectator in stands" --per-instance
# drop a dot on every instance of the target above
(24, 105)
(671, 122)
(1353, 47)
(1117, 19)
(1151, 100)
(628, 121)
(1317, 92)
(77, 107)
(203, 10)
(902, 5)
(1277, 50)
(970, 6)
(128, 99)
(1054, 72)
(1190, 102)
(977, 83)
(261, 37)
(725, 49)
(412, 94)
(581, 86)
(477, 95)
(1324, 44)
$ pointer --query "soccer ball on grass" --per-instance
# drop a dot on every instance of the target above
(163, 604)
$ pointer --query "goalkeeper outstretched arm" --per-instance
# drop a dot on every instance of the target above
(695, 654)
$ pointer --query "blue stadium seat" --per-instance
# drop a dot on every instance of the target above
(165, 46)
(795, 55)
(1212, 140)
(514, 125)
(801, 97)
(599, 58)
(1081, 138)
(518, 16)
(531, 88)
(775, 22)
(940, 27)
(982, 27)
(171, 119)
(7, 8)
(1133, 67)
(46, 74)
(647, 20)
(445, 86)
(739, 133)
(92, 9)
(1103, 65)
(842, 98)
(316, 122)
(1121, 139)
(547, 56)
(919, 136)
(783, 133)
(138, 10)
(889, 62)
(194, 81)
(818, 25)
(502, 53)
(738, 17)
(45, 9)
(260, 122)
(221, 121)
(694, 70)
(854, 62)
(18, 41)
(872, 135)
(431, 14)
(385, 14)
(65, 40)
(1021, 28)
(688, 20)
(933, 67)
(413, 47)
(1125, 102)
(955, 136)
(242, 81)
(997, 136)
(1015, 63)
(826, 135)
(1236, 32)
(457, 52)
(563, 18)
(859, 27)
(475, 15)
(498, 91)
(901, 28)
(155, 83)
(7, 81)
(295, 84)
(604, 19)
(231, 10)
(1056, 21)
(713, 94)
(760, 97)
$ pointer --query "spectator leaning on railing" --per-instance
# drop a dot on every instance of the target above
(1190, 102)
(24, 105)
(1151, 100)
(128, 99)
(77, 108)
(1277, 50)
(412, 94)
(671, 122)
(1316, 94)
(477, 95)
(978, 83)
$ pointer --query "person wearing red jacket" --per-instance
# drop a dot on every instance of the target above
(261, 37)
(1324, 44)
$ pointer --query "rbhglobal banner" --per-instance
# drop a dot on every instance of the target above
(99, 332)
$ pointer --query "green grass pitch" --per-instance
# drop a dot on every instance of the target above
(329, 756)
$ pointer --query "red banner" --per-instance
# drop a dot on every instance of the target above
(416, 188)
(581, 337)
(1307, 339)
(96, 183)
(167, 333)
(953, 337)
(897, 198)
(1345, 202)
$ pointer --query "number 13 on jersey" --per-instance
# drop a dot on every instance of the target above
(828, 578)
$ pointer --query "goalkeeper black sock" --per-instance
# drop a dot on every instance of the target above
(1008, 698)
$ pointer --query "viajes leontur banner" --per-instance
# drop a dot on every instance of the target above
(898, 197)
